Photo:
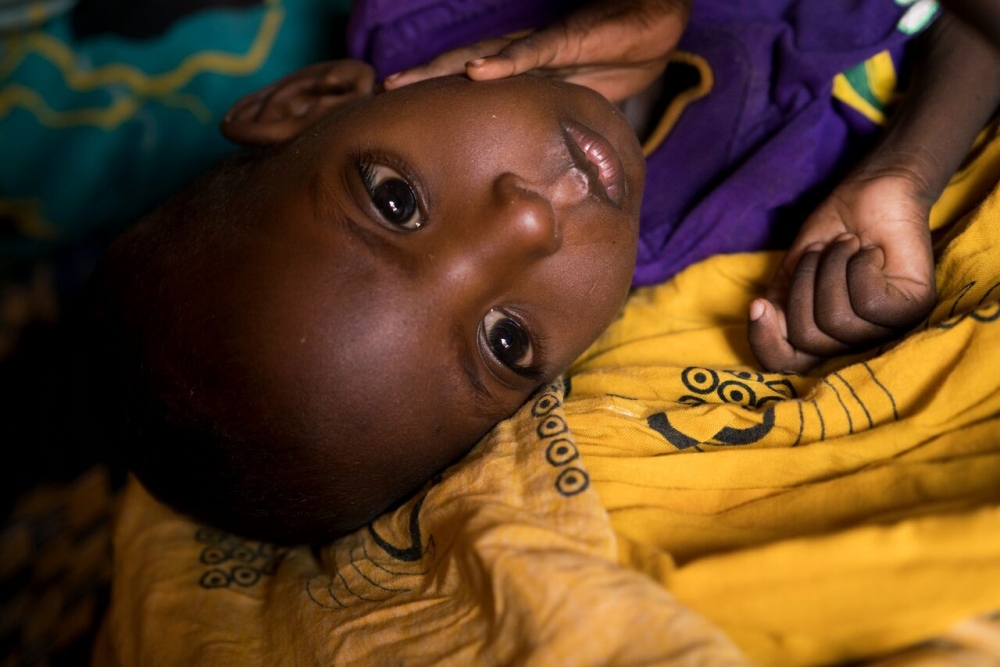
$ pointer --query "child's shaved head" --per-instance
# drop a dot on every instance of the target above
(311, 331)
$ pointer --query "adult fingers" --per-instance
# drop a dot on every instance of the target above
(833, 309)
(533, 51)
(769, 342)
(601, 35)
(449, 62)
(894, 302)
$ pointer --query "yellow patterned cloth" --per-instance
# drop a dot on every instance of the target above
(814, 519)
(666, 494)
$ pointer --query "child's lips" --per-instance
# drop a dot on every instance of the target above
(598, 159)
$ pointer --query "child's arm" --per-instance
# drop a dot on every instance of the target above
(861, 270)
(616, 48)
(984, 15)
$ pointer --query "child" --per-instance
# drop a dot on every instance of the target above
(319, 325)
(860, 270)
(401, 276)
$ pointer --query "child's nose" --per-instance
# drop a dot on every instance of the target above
(526, 219)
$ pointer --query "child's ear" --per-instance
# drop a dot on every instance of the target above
(281, 111)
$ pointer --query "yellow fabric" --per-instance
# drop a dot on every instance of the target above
(880, 76)
(508, 559)
(813, 519)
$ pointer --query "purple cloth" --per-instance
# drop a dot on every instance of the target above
(743, 165)
(396, 34)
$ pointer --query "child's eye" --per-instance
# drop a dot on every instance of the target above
(508, 342)
(391, 194)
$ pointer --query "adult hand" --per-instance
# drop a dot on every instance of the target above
(860, 272)
(616, 48)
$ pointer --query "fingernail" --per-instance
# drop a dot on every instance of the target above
(478, 62)
(392, 76)
(846, 236)
(756, 310)
(813, 247)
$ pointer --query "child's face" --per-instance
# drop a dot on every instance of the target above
(429, 257)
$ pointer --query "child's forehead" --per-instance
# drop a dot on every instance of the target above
(442, 99)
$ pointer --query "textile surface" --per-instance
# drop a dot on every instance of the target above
(664, 492)
(768, 67)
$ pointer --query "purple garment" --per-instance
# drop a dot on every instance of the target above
(396, 34)
(744, 164)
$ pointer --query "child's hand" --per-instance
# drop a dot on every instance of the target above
(860, 272)
(616, 48)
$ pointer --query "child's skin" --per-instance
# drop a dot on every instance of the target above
(415, 264)
(860, 271)
(489, 235)
(982, 15)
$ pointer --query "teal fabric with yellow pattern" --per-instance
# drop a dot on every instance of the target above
(96, 131)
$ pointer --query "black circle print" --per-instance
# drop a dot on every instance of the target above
(732, 391)
(550, 426)
(700, 380)
(747, 375)
(244, 553)
(783, 387)
(987, 313)
(249, 560)
(214, 578)
(245, 576)
(572, 481)
(561, 451)
(213, 555)
(544, 404)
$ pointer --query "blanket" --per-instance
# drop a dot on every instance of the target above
(100, 126)
(663, 503)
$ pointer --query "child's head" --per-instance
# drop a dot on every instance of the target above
(312, 330)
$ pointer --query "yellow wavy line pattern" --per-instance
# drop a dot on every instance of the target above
(106, 118)
(143, 86)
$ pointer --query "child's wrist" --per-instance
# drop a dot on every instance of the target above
(912, 171)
